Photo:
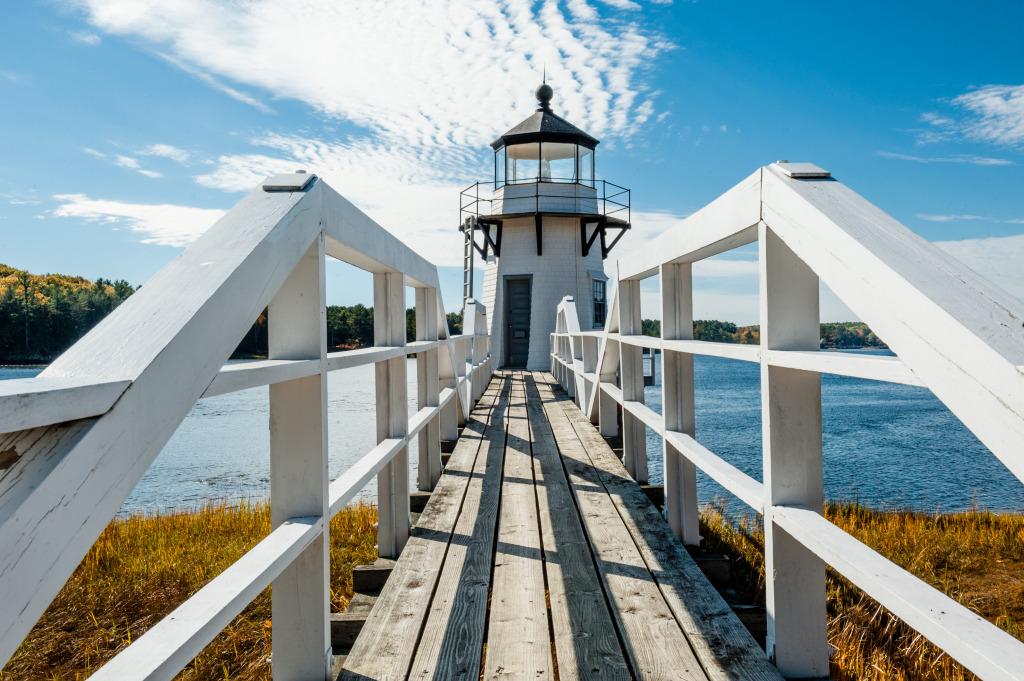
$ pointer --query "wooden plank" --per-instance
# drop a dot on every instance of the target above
(517, 630)
(170, 645)
(723, 645)
(452, 643)
(586, 645)
(747, 489)
(204, 299)
(301, 594)
(385, 647)
(355, 478)
(678, 402)
(959, 333)
(724, 224)
(870, 367)
(792, 460)
(251, 374)
(655, 644)
(33, 402)
(965, 636)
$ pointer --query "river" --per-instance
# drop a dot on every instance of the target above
(884, 444)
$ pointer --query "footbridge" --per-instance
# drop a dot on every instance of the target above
(537, 554)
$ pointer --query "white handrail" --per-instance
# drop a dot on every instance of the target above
(952, 331)
(85, 431)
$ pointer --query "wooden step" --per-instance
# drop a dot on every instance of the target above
(371, 578)
(345, 626)
(418, 501)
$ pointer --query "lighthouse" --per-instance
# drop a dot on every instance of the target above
(543, 227)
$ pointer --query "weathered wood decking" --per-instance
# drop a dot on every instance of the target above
(538, 557)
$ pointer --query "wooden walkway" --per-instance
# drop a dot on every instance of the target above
(537, 557)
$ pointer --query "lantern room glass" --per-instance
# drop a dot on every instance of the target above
(557, 162)
(523, 162)
(586, 166)
(544, 162)
(500, 167)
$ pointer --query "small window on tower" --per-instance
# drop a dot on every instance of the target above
(599, 304)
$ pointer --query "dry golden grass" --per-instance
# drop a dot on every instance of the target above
(975, 557)
(144, 566)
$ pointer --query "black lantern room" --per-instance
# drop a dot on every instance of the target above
(544, 148)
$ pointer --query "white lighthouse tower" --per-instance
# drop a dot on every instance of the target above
(543, 234)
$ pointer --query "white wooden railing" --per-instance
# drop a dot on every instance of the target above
(78, 438)
(952, 331)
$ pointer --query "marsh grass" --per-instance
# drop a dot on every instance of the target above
(143, 566)
(975, 557)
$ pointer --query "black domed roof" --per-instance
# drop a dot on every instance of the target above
(545, 126)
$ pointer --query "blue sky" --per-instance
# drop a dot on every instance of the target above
(127, 128)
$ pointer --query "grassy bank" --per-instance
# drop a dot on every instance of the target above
(976, 558)
(142, 567)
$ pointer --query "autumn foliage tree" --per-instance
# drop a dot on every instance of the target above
(41, 316)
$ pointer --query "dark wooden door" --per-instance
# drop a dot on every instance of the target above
(517, 314)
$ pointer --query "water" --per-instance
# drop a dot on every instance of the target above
(222, 448)
(883, 443)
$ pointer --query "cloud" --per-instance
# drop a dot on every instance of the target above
(166, 151)
(992, 113)
(165, 225)
(93, 152)
(973, 160)
(127, 162)
(949, 218)
(426, 86)
(86, 38)
(998, 114)
(217, 85)
(411, 193)
(424, 73)
(998, 259)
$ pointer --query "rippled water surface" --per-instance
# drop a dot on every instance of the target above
(222, 448)
(884, 444)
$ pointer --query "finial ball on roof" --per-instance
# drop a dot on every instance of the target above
(544, 94)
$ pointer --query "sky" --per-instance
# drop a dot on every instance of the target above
(127, 128)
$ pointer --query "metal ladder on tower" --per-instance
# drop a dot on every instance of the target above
(467, 261)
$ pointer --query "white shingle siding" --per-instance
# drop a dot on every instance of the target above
(561, 271)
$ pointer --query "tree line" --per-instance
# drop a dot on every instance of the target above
(834, 335)
(41, 316)
(348, 328)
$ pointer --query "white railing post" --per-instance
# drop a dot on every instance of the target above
(678, 401)
(298, 471)
(428, 389)
(553, 343)
(449, 423)
(608, 408)
(791, 440)
(631, 372)
(480, 352)
(476, 329)
(461, 360)
(392, 413)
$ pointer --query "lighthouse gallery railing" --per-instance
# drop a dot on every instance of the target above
(78, 437)
(952, 331)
